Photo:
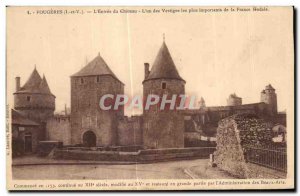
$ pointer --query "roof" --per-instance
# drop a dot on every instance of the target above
(19, 119)
(163, 66)
(95, 68)
(269, 87)
(234, 96)
(35, 84)
(44, 88)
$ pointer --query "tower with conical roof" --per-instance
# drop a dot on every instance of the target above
(90, 125)
(34, 99)
(268, 96)
(234, 100)
(163, 128)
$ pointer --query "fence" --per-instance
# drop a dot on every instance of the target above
(274, 158)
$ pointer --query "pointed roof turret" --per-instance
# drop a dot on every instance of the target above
(269, 87)
(233, 96)
(33, 82)
(163, 66)
(96, 67)
(44, 88)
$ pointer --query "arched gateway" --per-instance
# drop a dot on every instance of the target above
(89, 139)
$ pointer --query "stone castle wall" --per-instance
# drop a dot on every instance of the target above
(270, 98)
(217, 113)
(234, 101)
(163, 129)
(40, 107)
(86, 114)
(59, 129)
(37, 114)
(36, 100)
(130, 131)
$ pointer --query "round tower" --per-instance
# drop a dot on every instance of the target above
(234, 100)
(90, 125)
(269, 97)
(163, 128)
(34, 100)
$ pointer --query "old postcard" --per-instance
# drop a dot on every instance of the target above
(150, 98)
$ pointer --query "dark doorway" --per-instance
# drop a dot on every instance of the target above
(28, 143)
(89, 139)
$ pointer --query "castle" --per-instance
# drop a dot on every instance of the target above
(34, 105)
(33, 117)
(90, 125)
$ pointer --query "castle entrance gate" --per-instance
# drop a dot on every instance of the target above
(89, 139)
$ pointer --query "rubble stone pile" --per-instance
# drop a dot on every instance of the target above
(234, 134)
(253, 131)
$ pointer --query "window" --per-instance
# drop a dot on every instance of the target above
(21, 128)
(86, 122)
(163, 85)
(81, 80)
(28, 98)
(98, 79)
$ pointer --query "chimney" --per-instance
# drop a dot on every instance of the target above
(146, 65)
(18, 83)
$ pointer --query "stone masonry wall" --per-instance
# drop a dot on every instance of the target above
(163, 128)
(39, 108)
(59, 129)
(130, 131)
(86, 114)
(234, 134)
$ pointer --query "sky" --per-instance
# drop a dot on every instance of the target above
(216, 53)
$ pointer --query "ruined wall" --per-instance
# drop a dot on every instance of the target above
(234, 134)
(86, 114)
(130, 131)
(59, 129)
